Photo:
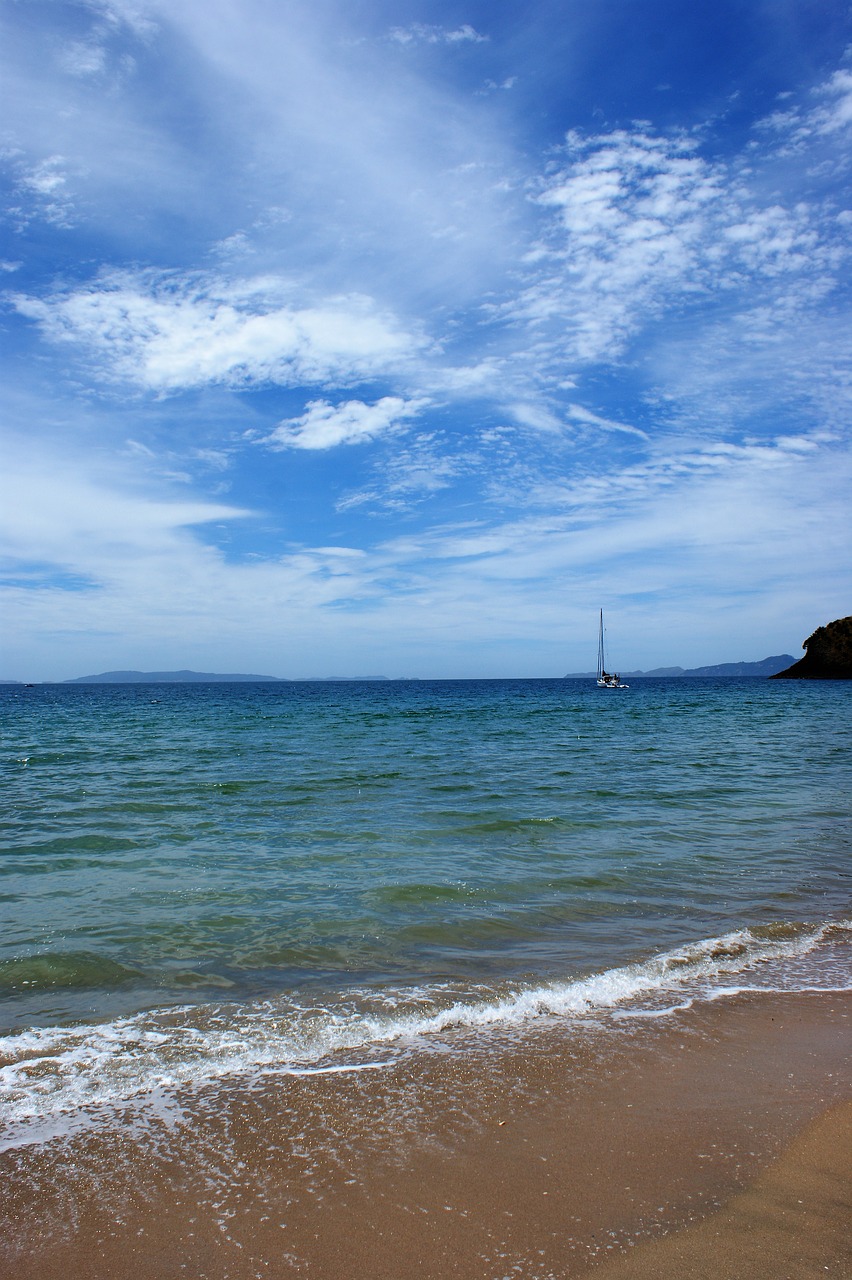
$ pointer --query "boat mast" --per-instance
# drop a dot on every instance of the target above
(606, 679)
(601, 659)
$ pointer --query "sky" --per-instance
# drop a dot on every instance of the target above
(345, 338)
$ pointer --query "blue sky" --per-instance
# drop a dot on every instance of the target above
(358, 338)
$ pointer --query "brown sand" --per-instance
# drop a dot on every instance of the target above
(794, 1222)
(652, 1150)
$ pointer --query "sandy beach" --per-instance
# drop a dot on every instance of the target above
(710, 1143)
(792, 1221)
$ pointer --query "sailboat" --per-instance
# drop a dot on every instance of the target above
(606, 679)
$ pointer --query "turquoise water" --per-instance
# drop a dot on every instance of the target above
(280, 857)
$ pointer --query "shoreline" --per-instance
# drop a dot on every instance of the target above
(565, 1151)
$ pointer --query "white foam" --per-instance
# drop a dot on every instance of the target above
(724, 993)
(52, 1073)
(335, 1071)
(665, 1011)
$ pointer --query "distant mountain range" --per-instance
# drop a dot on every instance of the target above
(722, 670)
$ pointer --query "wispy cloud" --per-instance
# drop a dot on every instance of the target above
(414, 472)
(55, 513)
(137, 15)
(83, 58)
(578, 414)
(324, 425)
(430, 33)
(643, 223)
(43, 193)
(831, 115)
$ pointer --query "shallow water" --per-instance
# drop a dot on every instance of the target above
(197, 880)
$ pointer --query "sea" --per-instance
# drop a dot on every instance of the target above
(229, 882)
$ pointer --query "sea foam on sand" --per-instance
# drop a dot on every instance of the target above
(543, 1156)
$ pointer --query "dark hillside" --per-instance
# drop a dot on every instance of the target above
(828, 654)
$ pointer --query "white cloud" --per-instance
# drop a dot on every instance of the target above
(831, 116)
(786, 361)
(508, 83)
(45, 179)
(838, 114)
(537, 416)
(730, 516)
(54, 512)
(641, 223)
(428, 33)
(170, 332)
(681, 470)
(83, 58)
(579, 414)
(43, 189)
(324, 425)
(419, 470)
(134, 14)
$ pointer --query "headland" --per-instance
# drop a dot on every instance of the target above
(828, 654)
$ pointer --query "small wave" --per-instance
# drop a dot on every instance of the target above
(421, 893)
(53, 1072)
(63, 969)
(503, 826)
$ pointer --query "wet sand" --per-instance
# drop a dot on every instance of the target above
(711, 1143)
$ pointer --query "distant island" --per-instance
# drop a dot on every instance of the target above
(828, 654)
(767, 667)
(166, 677)
(201, 677)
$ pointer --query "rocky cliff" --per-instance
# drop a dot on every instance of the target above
(828, 654)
